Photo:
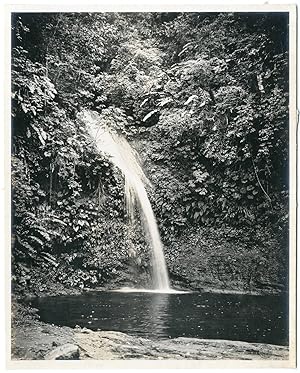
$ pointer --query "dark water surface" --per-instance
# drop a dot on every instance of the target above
(199, 315)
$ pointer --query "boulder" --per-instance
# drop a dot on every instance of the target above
(67, 351)
(85, 330)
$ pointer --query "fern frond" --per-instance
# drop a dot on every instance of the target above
(36, 240)
(49, 258)
(43, 234)
(54, 233)
(38, 227)
(55, 220)
(31, 250)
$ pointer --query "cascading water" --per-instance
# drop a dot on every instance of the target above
(123, 156)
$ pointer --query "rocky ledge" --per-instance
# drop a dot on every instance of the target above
(37, 340)
(115, 345)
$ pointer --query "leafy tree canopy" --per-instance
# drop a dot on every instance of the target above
(203, 97)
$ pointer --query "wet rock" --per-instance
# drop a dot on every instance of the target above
(86, 330)
(45, 331)
(66, 352)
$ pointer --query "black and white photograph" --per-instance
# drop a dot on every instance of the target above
(152, 187)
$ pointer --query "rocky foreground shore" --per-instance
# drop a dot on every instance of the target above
(35, 340)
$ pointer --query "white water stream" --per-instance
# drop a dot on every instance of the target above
(123, 156)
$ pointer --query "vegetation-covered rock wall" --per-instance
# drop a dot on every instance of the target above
(202, 97)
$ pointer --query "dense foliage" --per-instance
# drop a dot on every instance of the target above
(204, 99)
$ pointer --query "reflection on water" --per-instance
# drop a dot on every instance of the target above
(159, 315)
(158, 312)
(135, 313)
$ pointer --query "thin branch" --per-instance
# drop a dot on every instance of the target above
(259, 183)
(51, 182)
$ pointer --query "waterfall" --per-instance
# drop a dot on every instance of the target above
(124, 157)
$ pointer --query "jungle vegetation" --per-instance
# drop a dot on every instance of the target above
(202, 97)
